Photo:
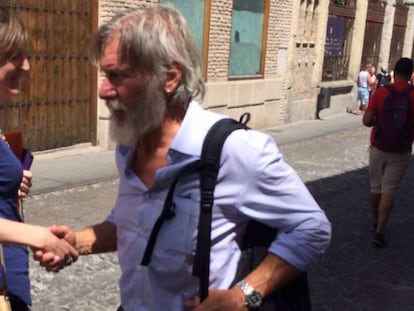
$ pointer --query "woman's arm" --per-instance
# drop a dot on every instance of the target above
(37, 237)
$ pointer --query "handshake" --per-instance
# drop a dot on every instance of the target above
(61, 246)
(56, 249)
(53, 247)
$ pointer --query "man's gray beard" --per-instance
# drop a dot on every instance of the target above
(145, 116)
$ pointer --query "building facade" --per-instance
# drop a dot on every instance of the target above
(283, 60)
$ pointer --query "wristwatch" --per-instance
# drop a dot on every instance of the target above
(253, 299)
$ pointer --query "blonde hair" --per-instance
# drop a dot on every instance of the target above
(14, 40)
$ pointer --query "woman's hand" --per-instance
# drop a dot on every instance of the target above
(25, 184)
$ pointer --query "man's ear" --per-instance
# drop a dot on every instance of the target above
(173, 78)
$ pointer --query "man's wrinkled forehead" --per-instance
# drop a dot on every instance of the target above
(117, 49)
(110, 52)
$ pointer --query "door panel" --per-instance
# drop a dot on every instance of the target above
(57, 106)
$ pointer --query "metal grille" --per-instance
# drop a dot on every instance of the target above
(337, 47)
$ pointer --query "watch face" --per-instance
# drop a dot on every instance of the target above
(252, 297)
(254, 300)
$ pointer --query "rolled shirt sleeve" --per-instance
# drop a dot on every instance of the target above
(275, 195)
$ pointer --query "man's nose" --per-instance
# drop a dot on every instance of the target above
(107, 90)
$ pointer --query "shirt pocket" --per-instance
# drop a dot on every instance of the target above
(175, 244)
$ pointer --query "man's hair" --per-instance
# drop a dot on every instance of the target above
(13, 35)
(152, 40)
(404, 68)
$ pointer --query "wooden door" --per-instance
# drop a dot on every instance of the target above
(373, 32)
(398, 32)
(57, 106)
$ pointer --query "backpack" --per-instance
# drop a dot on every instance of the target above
(383, 79)
(257, 238)
(394, 122)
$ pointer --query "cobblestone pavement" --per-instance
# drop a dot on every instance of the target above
(350, 276)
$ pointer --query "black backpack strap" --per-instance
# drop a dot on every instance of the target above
(209, 167)
(245, 118)
(409, 88)
(167, 213)
(390, 88)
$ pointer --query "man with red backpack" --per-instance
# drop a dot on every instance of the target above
(390, 112)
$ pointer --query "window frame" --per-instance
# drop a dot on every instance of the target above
(205, 40)
(341, 62)
(262, 61)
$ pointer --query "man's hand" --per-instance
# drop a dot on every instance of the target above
(219, 300)
(47, 258)
(98, 238)
(64, 232)
(25, 184)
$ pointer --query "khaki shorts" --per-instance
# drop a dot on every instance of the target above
(386, 170)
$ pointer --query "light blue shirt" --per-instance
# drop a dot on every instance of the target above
(253, 182)
(363, 79)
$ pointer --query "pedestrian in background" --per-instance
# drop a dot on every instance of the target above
(372, 82)
(13, 64)
(391, 114)
(383, 78)
(363, 82)
(152, 74)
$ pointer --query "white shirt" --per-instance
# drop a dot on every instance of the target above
(253, 182)
(363, 79)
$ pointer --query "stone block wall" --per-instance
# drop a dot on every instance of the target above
(259, 96)
(219, 40)
(293, 64)
(264, 98)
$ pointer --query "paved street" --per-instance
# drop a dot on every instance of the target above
(350, 276)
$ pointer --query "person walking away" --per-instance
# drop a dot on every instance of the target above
(152, 75)
(390, 113)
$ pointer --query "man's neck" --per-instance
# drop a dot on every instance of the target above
(151, 151)
(162, 136)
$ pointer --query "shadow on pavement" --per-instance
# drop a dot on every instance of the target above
(352, 275)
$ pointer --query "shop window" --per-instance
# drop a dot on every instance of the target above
(338, 40)
(196, 13)
(248, 38)
(345, 3)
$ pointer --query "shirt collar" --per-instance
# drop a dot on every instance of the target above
(194, 127)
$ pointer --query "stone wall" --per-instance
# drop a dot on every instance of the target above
(288, 90)
(265, 98)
